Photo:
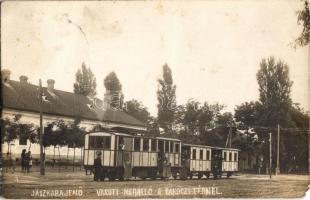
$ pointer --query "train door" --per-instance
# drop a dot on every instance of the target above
(216, 163)
(127, 157)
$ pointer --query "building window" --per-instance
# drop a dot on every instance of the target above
(201, 154)
(153, 145)
(194, 154)
(230, 156)
(225, 156)
(208, 155)
(177, 147)
(99, 142)
(22, 141)
(137, 142)
(145, 145)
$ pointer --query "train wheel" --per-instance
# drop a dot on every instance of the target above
(200, 175)
(111, 176)
(214, 176)
(190, 176)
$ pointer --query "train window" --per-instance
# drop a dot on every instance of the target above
(145, 144)
(137, 142)
(201, 154)
(236, 157)
(161, 145)
(194, 154)
(153, 145)
(99, 142)
(208, 155)
(166, 146)
(171, 147)
(121, 143)
(230, 156)
(225, 156)
(177, 147)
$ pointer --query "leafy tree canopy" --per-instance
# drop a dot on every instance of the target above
(166, 100)
(303, 18)
(112, 83)
(85, 82)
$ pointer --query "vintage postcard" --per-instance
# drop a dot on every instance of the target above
(155, 99)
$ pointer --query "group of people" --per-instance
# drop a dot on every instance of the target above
(26, 161)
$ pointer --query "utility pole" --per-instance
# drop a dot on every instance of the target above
(270, 154)
(278, 152)
(309, 142)
(230, 136)
(42, 170)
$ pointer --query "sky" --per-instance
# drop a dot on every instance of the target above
(212, 47)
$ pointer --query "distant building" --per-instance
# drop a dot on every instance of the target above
(21, 97)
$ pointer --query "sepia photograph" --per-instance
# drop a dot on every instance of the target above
(155, 99)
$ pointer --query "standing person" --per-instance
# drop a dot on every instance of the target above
(97, 167)
(23, 160)
(29, 161)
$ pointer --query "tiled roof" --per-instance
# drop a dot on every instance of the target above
(24, 97)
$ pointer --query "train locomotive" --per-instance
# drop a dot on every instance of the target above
(115, 155)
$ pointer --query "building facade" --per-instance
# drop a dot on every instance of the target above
(22, 98)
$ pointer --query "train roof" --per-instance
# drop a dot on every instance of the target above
(196, 145)
(223, 148)
(220, 148)
(163, 138)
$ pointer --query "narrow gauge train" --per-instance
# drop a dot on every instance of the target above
(124, 156)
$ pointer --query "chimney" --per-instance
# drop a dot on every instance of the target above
(5, 75)
(50, 85)
(23, 79)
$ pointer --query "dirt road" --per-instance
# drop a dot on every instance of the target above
(78, 185)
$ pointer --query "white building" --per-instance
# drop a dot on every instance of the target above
(21, 97)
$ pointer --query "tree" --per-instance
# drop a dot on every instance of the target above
(9, 130)
(85, 82)
(303, 18)
(14, 129)
(112, 83)
(55, 135)
(166, 100)
(114, 89)
(274, 93)
(137, 110)
(75, 137)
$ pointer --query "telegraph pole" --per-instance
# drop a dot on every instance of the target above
(42, 170)
(270, 154)
(278, 152)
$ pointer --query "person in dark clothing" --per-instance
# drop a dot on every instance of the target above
(29, 161)
(23, 160)
(97, 167)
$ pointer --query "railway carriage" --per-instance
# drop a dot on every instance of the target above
(124, 155)
(224, 160)
(197, 159)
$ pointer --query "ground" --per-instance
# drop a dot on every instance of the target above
(67, 183)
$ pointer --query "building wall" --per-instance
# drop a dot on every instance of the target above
(34, 118)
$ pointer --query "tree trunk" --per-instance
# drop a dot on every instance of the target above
(73, 156)
(58, 159)
(8, 146)
(53, 165)
(67, 155)
(81, 158)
